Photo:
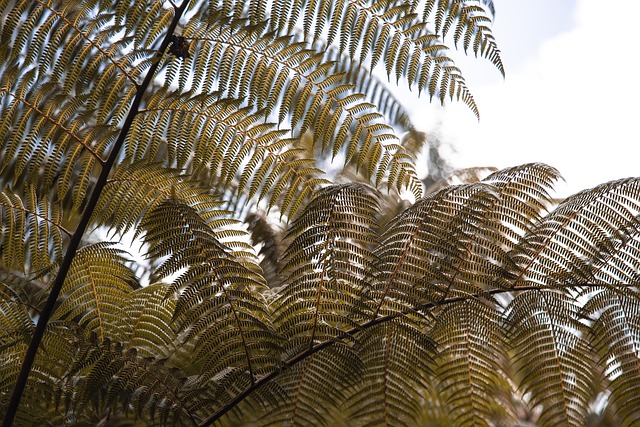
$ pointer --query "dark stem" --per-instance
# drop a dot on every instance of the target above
(351, 332)
(76, 239)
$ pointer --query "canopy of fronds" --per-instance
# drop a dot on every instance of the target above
(182, 126)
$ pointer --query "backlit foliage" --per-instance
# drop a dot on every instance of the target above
(207, 136)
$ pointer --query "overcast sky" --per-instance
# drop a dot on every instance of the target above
(570, 97)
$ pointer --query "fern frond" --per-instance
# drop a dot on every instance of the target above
(271, 69)
(499, 216)
(372, 145)
(389, 31)
(147, 322)
(326, 266)
(525, 196)
(43, 387)
(376, 91)
(552, 355)
(43, 142)
(312, 398)
(471, 343)
(615, 335)
(16, 325)
(32, 231)
(71, 48)
(81, 81)
(64, 22)
(136, 189)
(104, 375)
(469, 22)
(393, 384)
(478, 32)
(98, 283)
(423, 252)
(223, 142)
(574, 242)
(218, 303)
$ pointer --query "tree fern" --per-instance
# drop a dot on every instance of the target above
(206, 135)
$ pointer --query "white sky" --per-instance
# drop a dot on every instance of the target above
(570, 97)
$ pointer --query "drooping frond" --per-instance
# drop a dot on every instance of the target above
(584, 239)
(218, 303)
(224, 143)
(582, 242)
(392, 383)
(231, 52)
(471, 340)
(470, 23)
(44, 145)
(32, 231)
(326, 267)
(60, 117)
(615, 335)
(374, 89)
(396, 35)
(268, 72)
(552, 355)
(98, 283)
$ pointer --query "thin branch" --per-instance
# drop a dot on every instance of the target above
(76, 239)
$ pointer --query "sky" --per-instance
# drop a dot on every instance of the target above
(570, 97)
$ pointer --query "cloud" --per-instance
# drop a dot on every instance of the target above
(573, 104)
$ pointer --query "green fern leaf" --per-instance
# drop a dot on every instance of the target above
(32, 233)
(147, 323)
(218, 304)
(470, 338)
(552, 356)
(615, 335)
(325, 267)
(98, 282)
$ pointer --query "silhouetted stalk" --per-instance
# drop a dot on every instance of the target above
(76, 239)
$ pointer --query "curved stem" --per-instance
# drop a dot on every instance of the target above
(76, 239)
